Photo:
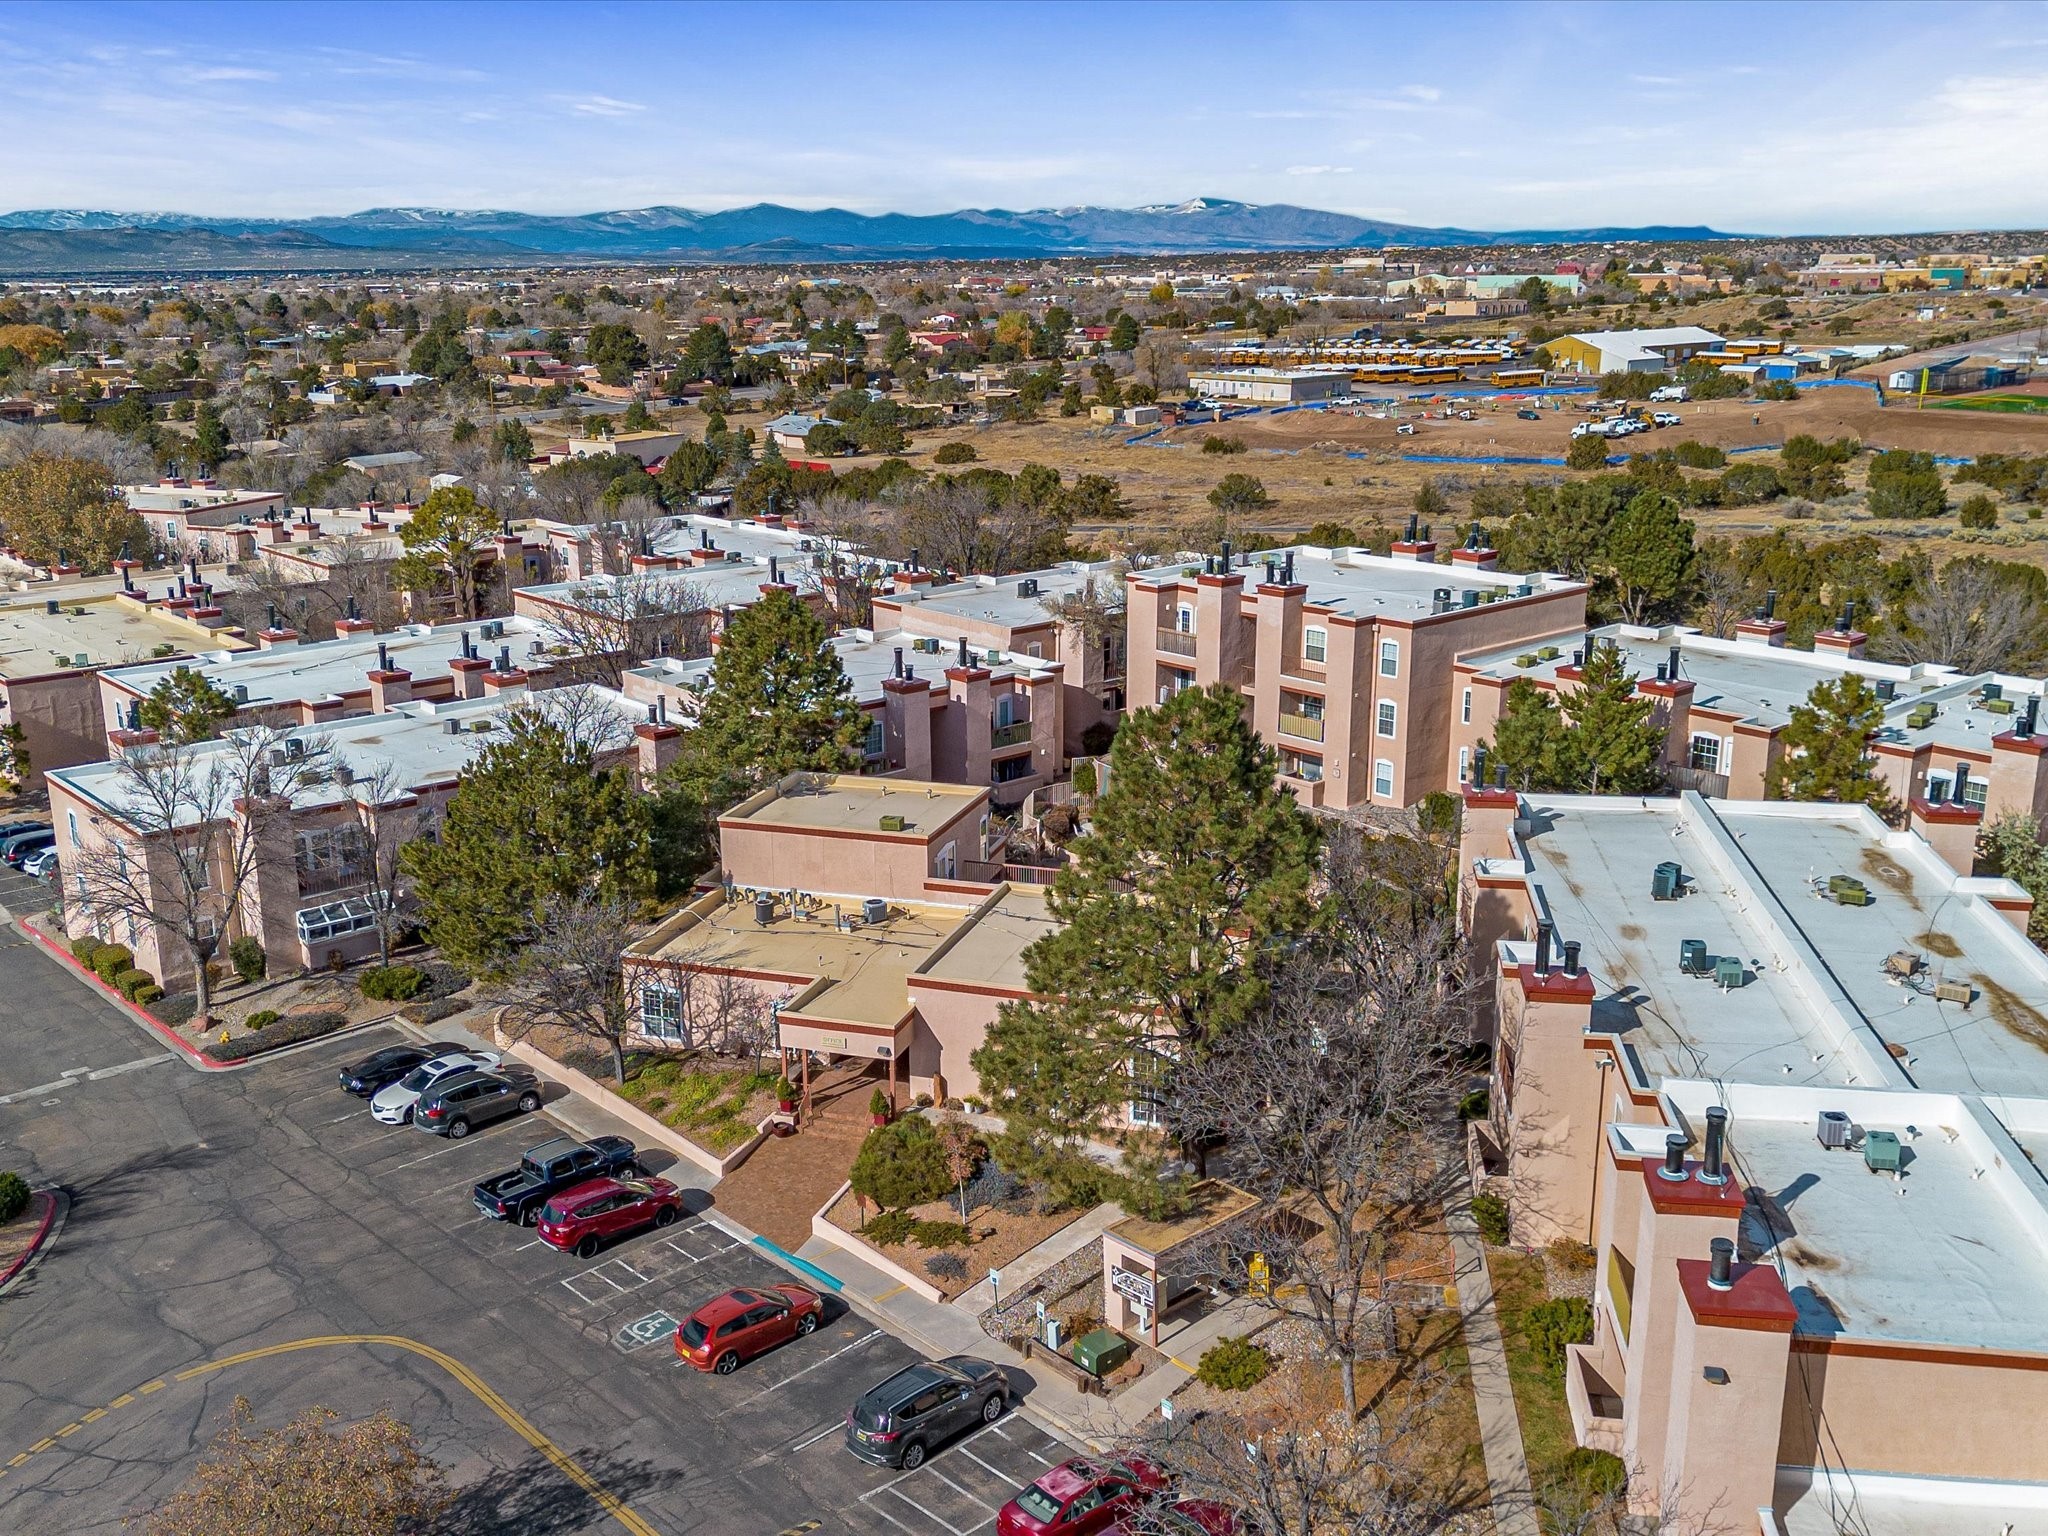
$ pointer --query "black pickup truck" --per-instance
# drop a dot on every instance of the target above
(518, 1194)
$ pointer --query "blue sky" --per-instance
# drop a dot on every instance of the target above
(1822, 118)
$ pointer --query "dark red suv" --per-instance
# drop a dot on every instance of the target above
(582, 1219)
(741, 1324)
(1078, 1498)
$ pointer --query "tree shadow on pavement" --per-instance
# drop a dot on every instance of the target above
(533, 1498)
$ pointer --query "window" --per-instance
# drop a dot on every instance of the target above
(1383, 779)
(661, 1011)
(1384, 723)
(1942, 787)
(1464, 765)
(872, 747)
(1148, 1098)
(1315, 645)
(1300, 765)
(1184, 619)
(1035, 651)
(1465, 707)
(1390, 658)
(330, 850)
(71, 825)
(1007, 770)
(1704, 754)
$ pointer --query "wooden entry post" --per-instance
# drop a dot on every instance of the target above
(805, 1070)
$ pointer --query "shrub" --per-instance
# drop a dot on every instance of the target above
(1085, 779)
(1596, 1474)
(14, 1194)
(878, 1103)
(1586, 453)
(890, 1227)
(1746, 485)
(1551, 1325)
(939, 1234)
(433, 1010)
(992, 1186)
(174, 1010)
(1231, 1365)
(127, 981)
(110, 960)
(1699, 455)
(1980, 511)
(263, 1018)
(946, 1266)
(1777, 389)
(900, 1164)
(393, 983)
(1225, 445)
(1906, 484)
(147, 994)
(955, 453)
(1474, 1105)
(83, 948)
(1490, 1215)
(1574, 1258)
(291, 1030)
(246, 955)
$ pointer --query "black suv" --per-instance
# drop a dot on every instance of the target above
(896, 1423)
(381, 1069)
(457, 1105)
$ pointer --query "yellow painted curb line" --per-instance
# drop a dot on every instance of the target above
(478, 1388)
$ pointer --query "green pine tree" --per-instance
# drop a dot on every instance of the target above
(1531, 741)
(1824, 748)
(1174, 912)
(1616, 746)
(534, 821)
(186, 707)
(1650, 557)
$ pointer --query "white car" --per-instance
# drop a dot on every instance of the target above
(40, 866)
(393, 1105)
(1406, 429)
(1668, 419)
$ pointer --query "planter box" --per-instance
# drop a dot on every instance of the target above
(831, 1232)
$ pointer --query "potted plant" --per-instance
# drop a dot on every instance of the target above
(878, 1106)
(785, 1095)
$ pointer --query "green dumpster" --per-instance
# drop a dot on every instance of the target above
(1101, 1352)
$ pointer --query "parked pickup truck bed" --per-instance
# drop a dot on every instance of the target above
(518, 1194)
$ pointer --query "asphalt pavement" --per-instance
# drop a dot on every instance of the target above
(255, 1233)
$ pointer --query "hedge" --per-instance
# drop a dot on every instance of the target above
(84, 947)
(291, 1030)
(146, 994)
(110, 960)
(1551, 1325)
(1490, 1215)
(129, 980)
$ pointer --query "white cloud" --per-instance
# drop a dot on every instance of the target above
(607, 106)
(1656, 79)
(212, 73)
(1320, 170)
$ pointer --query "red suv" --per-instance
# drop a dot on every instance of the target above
(1078, 1498)
(741, 1324)
(579, 1219)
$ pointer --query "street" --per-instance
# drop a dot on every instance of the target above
(256, 1233)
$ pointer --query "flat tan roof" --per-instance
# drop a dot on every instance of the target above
(108, 632)
(849, 803)
(990, 951)
(867, 966)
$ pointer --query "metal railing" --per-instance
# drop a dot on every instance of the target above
(1700, 780)
(325, 882)
(1307, 727)
(1174, 642)
(1010, 735)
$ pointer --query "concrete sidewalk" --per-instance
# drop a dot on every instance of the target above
(1500, 1431)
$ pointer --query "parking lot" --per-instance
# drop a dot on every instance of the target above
(226, 1217)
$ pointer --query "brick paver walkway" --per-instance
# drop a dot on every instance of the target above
(775, 1191)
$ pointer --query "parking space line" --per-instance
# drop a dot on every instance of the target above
(935, 1519)
(877, 1509)
(866, 1338)
(999, 1472)
(829, 1429)
(970, 1498)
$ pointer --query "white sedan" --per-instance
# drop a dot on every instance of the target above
(393, 1105)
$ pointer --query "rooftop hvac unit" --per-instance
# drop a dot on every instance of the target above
(1993, 691)
(1887, 690)
(874, 910)
(1881, 1151)
(892, 823)
(241, 693)
(764, 910)
(1832, 1130)
(1693, 959)
(1667, 882)
(1028, 587)
(1729, 974)
(454, 727)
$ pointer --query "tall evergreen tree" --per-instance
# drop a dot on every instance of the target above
(1650, 556)
(1532, 741)
(1175, 911)
(534, 823)
(1825, 748)
(1616, 746)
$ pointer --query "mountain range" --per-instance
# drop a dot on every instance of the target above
(49, 240)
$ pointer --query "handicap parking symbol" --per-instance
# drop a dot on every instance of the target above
(642, 1331)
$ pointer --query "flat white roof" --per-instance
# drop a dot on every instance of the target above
(867, 658)
(1818, 1006)
(1000, 600)
(1352, 581)
(104, 629)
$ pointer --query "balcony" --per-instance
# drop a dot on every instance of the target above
(1306, 727)
(1016, 734)
(1174, 642)
(1701, 780)
(326, 882)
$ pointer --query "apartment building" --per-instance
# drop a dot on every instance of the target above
(314, 897)
(1782, 1066)
(957, 714)
(54, 645)
(862, 918)
(1345, 658)
(1020, 616)
(1955, 749)
(200, 519)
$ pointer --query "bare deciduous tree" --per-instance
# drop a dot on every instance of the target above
(1973, 616)
(569, 976)
(387, 817)
(184, 832)
(619, 622)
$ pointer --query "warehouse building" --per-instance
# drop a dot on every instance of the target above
(1662, 350)
(1270, 386)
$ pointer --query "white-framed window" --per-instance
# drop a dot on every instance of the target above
(1148, 1090)
(1006, 710)
(1464, 765)
(872, 747)
(1976, 789)
(1035, 651)
(1383, 779)
(1184, 619)
(1465, 707)
(1390, 658)
(1315, 645)
(661, 1011)
(1384, 718)
(1704, 753)
(71, 825)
